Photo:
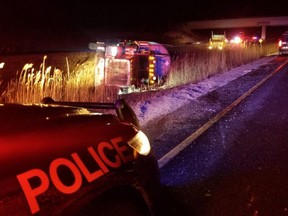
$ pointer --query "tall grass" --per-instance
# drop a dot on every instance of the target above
(31, 85)
(194, 66)
(78, 84)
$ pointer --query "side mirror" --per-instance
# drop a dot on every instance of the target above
(121, 107)
(125, 112)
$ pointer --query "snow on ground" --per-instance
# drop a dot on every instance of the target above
(163, 102)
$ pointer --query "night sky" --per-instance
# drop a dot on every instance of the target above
(139, 15)
(57, 18)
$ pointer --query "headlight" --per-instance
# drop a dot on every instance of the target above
(140, 143)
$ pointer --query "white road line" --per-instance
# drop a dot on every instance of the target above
(175, 151)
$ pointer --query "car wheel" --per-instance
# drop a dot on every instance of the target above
(118, 202)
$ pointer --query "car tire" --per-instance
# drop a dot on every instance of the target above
(123, 201)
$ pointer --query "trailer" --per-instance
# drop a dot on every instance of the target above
(131, 65)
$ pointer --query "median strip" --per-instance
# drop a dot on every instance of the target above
(175, 151)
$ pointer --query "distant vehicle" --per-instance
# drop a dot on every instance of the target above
(283, 43)
(68, 158)
(238, 41)
(254, 41)
(217, 41)
(132, 65)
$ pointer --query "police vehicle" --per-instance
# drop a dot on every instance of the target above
(70, 158)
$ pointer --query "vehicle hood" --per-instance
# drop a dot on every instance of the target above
(35, 134)
(18, 118)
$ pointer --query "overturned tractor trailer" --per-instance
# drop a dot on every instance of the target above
(131, 65)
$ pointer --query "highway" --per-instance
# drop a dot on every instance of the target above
(239, 164)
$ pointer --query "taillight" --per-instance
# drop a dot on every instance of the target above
(280, 43)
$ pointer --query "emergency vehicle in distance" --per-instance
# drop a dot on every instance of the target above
(131, 65)
(283, 44)
(68, 158)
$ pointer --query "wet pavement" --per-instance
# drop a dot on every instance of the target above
(240, 165)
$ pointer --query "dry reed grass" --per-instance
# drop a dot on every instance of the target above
(192, 67)
(31, 85)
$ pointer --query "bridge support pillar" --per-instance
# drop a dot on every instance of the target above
(263, 32)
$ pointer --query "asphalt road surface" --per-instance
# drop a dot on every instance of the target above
(239, 166)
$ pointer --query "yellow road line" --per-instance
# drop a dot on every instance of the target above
(175, 151)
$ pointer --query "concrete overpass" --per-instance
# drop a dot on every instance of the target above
(262, 22)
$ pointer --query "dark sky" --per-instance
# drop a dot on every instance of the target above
(35, 25)
(143, 15)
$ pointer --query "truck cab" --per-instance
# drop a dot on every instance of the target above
(217, 41)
